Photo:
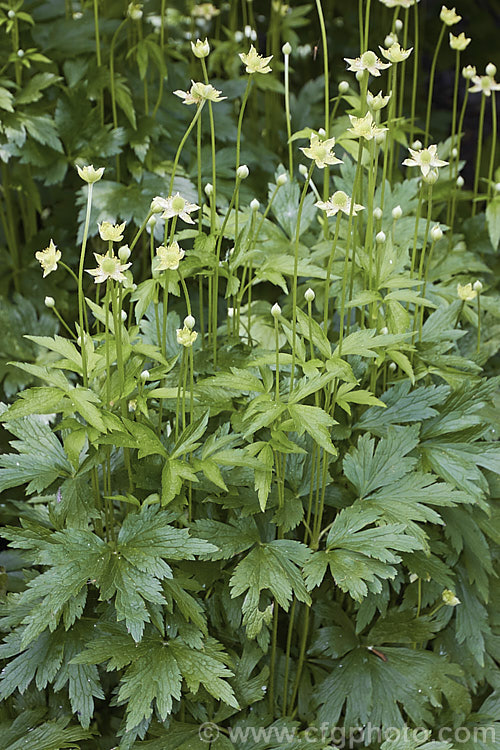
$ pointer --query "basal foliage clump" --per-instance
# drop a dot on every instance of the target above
(252, 463)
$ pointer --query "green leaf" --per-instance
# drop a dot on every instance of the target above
(274, 566)
(40, 459)
(493, 221)
(316, 422)
(6, 99)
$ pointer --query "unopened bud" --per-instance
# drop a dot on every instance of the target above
(343, 87)
(477, 286)
(454, 153)
(460, 181)
(287, 48)
(397, 212)
(123, 315)
(124, 253)
(416, 145)
(359, 75)
(392, 366)
(209, 189)
(377, 213)
(200, 49)
(230, 312)
(254, 204)
(389, 40)
(497, 187)
(380, 237)
(384, 331)
(50, 302)
(275, 310)
(20, 53)
(242, 172)
(398, 25)
(144, 375)
(436, 233)
(431, 177)
(491, 70)
(189, 322)
(303, 170)
(11, 13)
(282, 180)
(309, 295)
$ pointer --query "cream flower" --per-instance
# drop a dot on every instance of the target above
(320, 151)
(425, 158)
(108, 267)
(48, 258)
(469, 71)
(176, 205)
(111, 232)
(449, 17)
(200, 49)
(254, 62)
(169, 257)
(339, 201)
(186, 336)
(466, 292)
(450, 598)
(368, 61)
(396, 53)
(459, 42)
(200, 92)
(398, 3)
(207, 11)
(364, 127)
(484, 85)
(377, 102)
(89, 174)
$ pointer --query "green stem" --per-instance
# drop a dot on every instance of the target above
(288, 115)
(213, 202)
(81, 301)
(493, 142)
(416, 56)
(295, 272)
(238, 145)
(181, 144)
(478, 345)
(478, 154)
(328, 272)
(431, 83)
(326, 73)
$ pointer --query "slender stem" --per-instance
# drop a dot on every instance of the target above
(287, 655)
(367, 26)
(328, 272)
(81, 301)
(288, 116)
(493, 142)
(112, 72)
(478, 153)
(295, 271)
(326, 72)
(213, 202)
(416, 62)
(357, 176)
(183, 141)
(478, 345)
(431, 83)
(238, 146)
(215, 290)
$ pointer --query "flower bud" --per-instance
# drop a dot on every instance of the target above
(282, 180)
(209, 189)
(275, 310)
(392, 366)
(50, 302)
(491, 70)
(397, 212)
(157, 205)
(477, 286)
(303, 170)
(497, 187)
(242, 172)
(309, 295)
(287, 48)
(389, 40)
(431, 177)
(460, 181)
(343, 87)
(238, 36)
(254, 204)
(189, 322)
(322, 132)
(123, 315)
(144, 375)
(450, 598)
(384, 331)
(468, 72)
(134, 11)
(398, 25)
(20, 53)
(11, 13)
(436, 233)
(454, 153)
(359, 75)
(380, 237)
(152, 222)
(200, 49)
(377, 213)
(416, 145)
(230, 312)
(124, 253)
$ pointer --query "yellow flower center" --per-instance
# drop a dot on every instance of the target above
(368, 58)
(108, 265)
(178, 204)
